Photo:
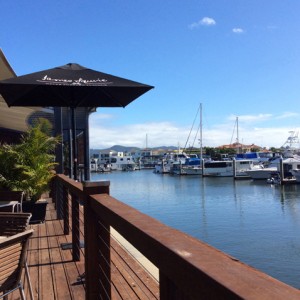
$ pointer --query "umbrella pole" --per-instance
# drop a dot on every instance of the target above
(74, 144)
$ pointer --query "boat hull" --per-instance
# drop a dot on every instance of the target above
(261, 174)
(227, 168)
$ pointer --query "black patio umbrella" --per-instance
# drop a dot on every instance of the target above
(71, 86)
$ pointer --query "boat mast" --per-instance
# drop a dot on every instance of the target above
(237, 135)
(201, 151)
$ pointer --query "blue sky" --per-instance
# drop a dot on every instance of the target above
(239, 58)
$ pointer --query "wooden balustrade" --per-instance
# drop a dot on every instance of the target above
(188, 268)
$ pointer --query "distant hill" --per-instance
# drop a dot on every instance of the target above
(120, 148)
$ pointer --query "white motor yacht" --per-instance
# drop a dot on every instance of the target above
(274, 166)
(226, 168)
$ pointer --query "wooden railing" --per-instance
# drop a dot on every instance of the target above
(188, 268)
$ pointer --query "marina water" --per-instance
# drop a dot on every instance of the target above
(255, 222)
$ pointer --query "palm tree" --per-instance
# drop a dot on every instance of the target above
(29, 165)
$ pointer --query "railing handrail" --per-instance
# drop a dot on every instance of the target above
(187, 266)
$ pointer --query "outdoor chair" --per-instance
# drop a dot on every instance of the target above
(12, 260)
(11, 224)
(11, 201)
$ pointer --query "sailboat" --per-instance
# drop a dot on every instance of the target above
(229, 168)
(192, 164)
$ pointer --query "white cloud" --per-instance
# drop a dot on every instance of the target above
(170, 134)
(206, 21)
(99, 117)
(286, 115)
(263, 117)
(238, 30)
(252, 118)
(158, 134)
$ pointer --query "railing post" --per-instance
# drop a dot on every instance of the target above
(168, 290)
(75, 228)
(53, 191)
(58, 198)
(65, 202)
(97, 246)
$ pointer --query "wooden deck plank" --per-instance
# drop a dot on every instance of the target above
(71, 270)
(137, 278)
(60, 286)
(54, 274)
(45, 278)
(33, 262)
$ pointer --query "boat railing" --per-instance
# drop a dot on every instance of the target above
(188, 268)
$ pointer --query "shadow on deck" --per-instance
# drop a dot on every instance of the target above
(54, 274)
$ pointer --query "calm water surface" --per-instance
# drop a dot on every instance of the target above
(254, 222)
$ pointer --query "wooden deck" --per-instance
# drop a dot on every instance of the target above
(55, 276)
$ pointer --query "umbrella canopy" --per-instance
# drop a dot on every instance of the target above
(71, 86)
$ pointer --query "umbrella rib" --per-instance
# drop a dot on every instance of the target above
(106, 94)
(61, 98)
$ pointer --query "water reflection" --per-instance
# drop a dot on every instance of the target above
(203, 209)
(290, 201)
